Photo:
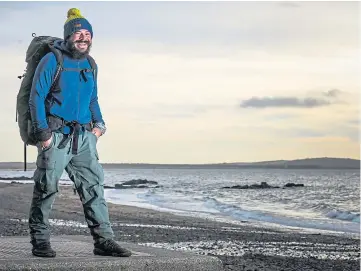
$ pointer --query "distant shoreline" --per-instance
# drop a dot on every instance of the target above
(310, 163)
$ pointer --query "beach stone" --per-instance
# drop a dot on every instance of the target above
(263, 185)
(137, 183)
(294, 185)
(19, 178)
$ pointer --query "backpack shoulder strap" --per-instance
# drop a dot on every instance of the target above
(59, 67)
(93, 66)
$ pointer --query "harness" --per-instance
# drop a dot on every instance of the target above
(58, 124)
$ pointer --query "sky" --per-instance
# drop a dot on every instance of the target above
(205, 82)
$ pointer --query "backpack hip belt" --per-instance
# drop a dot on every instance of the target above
(57, 125)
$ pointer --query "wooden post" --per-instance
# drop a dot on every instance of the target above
(24, 156)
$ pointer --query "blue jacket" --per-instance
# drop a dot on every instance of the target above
(77, 99)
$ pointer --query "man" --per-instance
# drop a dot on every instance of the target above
(67, 123)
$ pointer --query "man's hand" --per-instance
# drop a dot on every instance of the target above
(96, 131)
(46, 144)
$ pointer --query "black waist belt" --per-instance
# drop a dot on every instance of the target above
(57, 124)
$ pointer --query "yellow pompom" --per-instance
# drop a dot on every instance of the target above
(73, 13)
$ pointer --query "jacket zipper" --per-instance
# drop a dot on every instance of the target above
(77, 119)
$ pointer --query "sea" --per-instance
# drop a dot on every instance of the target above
(328, 201)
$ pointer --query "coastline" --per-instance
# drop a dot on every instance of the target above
(240, 247)
(321, 163)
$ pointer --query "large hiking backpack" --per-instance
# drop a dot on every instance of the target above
(38, 48)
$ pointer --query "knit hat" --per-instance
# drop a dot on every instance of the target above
(76, 22)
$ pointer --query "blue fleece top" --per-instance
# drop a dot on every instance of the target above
(77, 99)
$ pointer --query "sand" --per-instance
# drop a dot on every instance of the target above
(240, 247)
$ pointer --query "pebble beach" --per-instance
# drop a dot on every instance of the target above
(240, 247)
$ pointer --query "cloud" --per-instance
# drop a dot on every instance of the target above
(332, 93)
(293, 102)
(266, 102)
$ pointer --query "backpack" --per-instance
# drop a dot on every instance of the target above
(38, 48)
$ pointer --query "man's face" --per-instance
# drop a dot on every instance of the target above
(81, 40)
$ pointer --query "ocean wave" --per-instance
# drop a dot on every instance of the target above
(330, 211)
(344, 215)
(238, 213)
(234, 210)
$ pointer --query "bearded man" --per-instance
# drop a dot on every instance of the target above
(67, 123)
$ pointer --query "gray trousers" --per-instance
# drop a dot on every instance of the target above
(87, 175)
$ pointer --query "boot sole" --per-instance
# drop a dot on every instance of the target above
(45, 255)
(100, 252)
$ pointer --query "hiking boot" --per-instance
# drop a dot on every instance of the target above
(43, 250)
(111, 248)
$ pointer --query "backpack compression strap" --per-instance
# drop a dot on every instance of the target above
(59, 67)
(93, 66)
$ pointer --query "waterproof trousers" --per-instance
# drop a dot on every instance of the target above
(87, 175)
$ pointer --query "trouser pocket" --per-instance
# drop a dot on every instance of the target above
(45, 176)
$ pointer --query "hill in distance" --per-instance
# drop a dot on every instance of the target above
(308, 163)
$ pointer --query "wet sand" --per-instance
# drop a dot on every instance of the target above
(240, 247)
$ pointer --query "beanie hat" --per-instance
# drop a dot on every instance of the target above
(75, 22)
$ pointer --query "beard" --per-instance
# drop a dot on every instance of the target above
(75, 53)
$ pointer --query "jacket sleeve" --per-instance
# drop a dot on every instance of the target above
(41, 84)
(94, 107)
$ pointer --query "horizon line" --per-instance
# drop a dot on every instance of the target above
(214, 163)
